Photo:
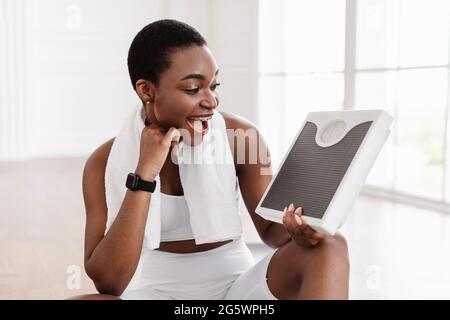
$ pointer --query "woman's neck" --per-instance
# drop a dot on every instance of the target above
(148, 116)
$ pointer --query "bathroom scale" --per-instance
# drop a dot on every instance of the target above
(326, 166)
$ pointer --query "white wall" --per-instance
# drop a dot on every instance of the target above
(14, 130)
(64, 80)
(234, 41)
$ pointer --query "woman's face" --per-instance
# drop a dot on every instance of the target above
(186, 90)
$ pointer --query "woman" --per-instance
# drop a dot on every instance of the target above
(175, 76)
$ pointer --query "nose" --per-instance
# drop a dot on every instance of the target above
(211, 101)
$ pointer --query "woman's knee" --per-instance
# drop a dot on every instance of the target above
(330, 252)
(334, 249)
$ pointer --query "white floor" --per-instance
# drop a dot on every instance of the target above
(396, 251)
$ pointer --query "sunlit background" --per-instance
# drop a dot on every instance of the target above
(64, 90)
(321, 55)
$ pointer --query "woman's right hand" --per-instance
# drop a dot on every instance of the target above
(155, 145)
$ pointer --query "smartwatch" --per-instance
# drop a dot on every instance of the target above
(134, 182)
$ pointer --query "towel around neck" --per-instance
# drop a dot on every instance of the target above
(207, 175)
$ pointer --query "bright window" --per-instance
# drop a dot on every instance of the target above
(391, 54)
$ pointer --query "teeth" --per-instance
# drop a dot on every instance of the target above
(200, 119)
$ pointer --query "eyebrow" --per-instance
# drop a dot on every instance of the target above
(198, 76)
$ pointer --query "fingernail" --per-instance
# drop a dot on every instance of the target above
(299, 220)
(284, 211)
(291, 207)
(298, 210)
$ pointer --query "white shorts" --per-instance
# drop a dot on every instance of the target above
(227, 272)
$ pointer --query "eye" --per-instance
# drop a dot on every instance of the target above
(195, 90)
(215, 85)
(192, 91)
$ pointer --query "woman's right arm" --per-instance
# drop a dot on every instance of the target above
(112, 258)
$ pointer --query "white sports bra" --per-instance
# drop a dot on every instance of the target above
(175, 220)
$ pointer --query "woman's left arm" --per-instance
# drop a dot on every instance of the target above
(254, 174)
(253, 183)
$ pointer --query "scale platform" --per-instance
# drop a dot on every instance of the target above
(326, 166)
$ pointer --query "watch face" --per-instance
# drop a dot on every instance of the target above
(131, 181)
(134, 182)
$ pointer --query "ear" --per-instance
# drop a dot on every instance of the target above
(145, 90)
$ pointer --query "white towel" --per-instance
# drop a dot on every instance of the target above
(207, 175)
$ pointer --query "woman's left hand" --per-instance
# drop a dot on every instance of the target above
(298, 229)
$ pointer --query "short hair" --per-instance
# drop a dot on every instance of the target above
(149, 53)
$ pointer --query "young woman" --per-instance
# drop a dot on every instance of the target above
(175, 76)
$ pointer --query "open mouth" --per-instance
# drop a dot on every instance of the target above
(199, 124)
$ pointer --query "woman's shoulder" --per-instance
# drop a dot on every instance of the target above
(95, 165)
(242, 133)
(99, 156)
(234, 121)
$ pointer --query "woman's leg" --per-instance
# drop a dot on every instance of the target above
(97, 296)
(320, 272)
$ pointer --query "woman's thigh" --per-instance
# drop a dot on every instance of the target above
(146, 293)
(252, 283)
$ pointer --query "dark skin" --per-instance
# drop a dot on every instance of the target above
(307, 265)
